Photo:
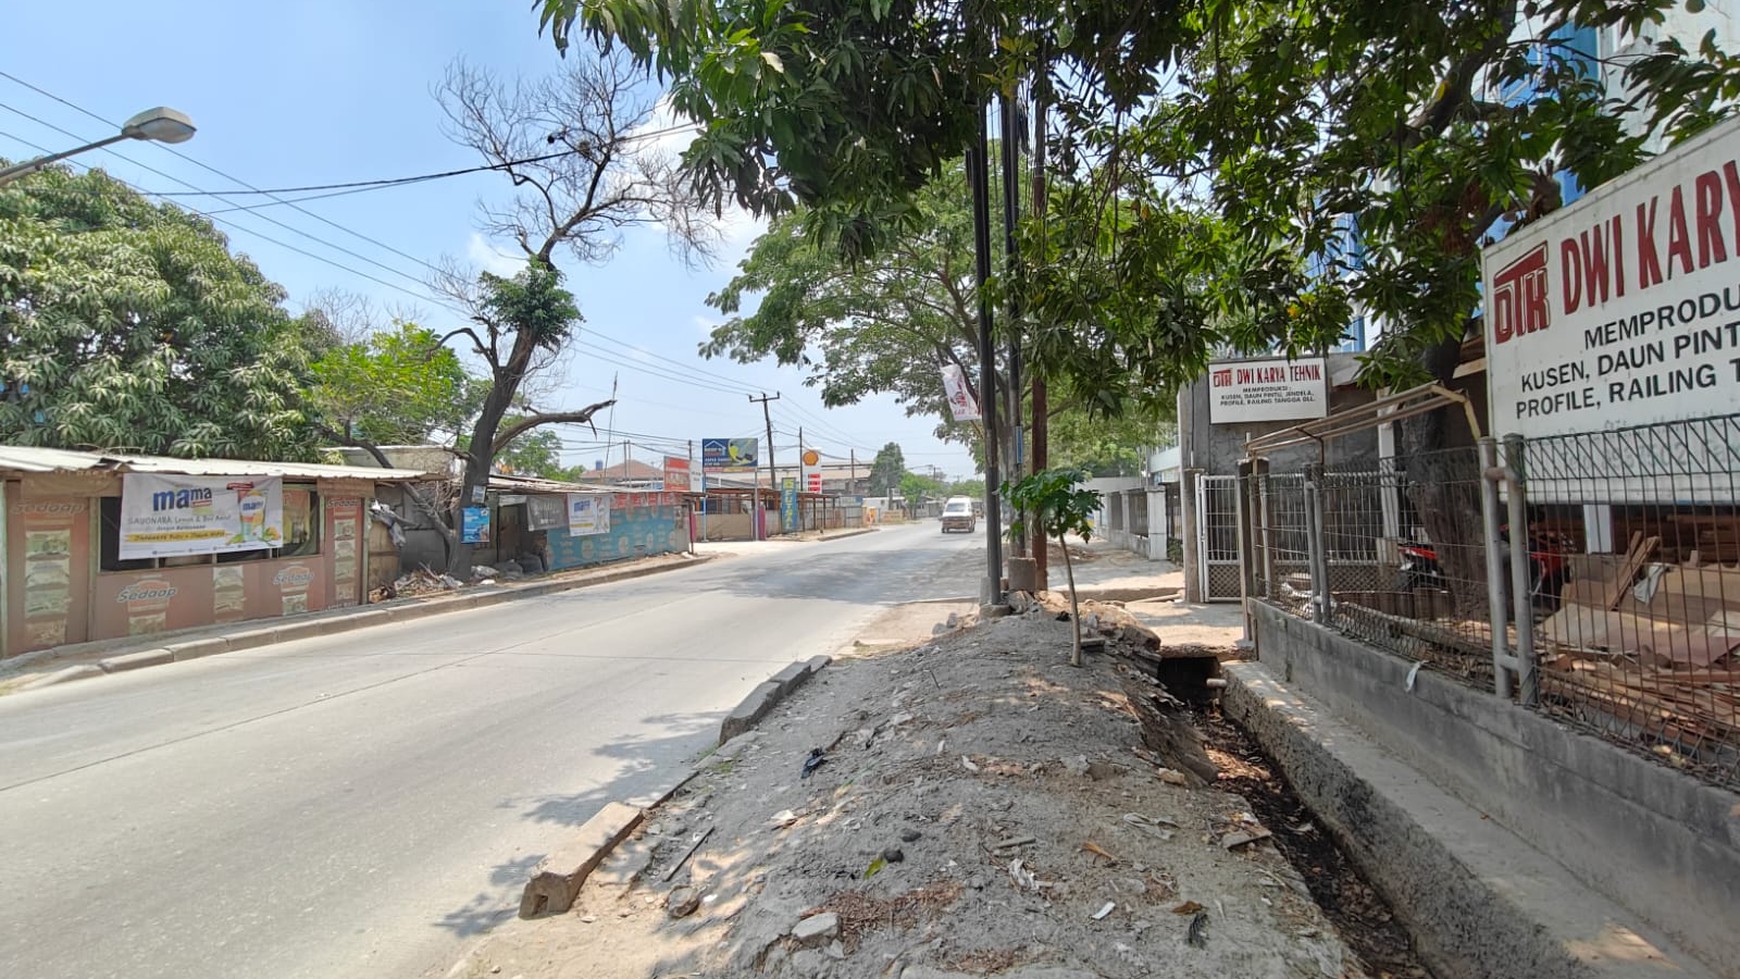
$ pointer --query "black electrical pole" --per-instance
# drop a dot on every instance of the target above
(978, 167)
(1012, 277)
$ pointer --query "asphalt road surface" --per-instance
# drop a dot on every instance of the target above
(368, 804)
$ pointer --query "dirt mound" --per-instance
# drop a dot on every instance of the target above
(982, 808)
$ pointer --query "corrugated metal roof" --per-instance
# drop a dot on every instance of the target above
(29, 459)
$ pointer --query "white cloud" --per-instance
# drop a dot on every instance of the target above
(486, 256)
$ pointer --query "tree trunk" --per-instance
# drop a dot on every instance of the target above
(1074, 604)
(1444, 488)
(479, 460)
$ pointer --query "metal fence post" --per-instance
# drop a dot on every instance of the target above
(1314, 543)
(1521, 577)
(1489, 513)
(1247, 566)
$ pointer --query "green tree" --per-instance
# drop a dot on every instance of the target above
(886, 471)
(1107, 446)
(1054, 502)
(886, 323)
(398, 386)
(129, 326)
(914, 488)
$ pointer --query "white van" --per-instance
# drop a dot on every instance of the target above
(958, 514)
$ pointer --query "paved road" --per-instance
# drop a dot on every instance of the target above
(366, 804)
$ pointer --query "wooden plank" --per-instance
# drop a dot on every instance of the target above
(1634, 558)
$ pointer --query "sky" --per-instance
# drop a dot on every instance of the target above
(331, 91)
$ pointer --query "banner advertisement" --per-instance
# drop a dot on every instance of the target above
(676, 474)
(729, 455)
(812, 460)
(544, 512)
(960, 397)
(788, 503)
(588, 513)
(1245, 391)
(474, 525)
(169, 516)
(1620, 310)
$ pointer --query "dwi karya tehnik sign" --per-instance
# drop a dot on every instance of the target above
(1624, 308)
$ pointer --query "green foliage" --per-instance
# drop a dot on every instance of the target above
(914, 487)
(887, 470)
(130, 326)
(536, 453)
(1107, 446)
(531, 303)
(886, 323)
(398, 387)
(1053, 500)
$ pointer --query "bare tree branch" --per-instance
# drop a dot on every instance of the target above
(524, 425)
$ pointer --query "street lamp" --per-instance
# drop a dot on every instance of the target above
(159, 125)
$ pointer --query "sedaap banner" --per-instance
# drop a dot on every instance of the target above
(1622, 309)
(172, 516)
(588, 513)
(1246, 391)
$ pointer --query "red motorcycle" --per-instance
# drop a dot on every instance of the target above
(1548, 568)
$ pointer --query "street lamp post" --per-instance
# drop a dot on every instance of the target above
(159, 125)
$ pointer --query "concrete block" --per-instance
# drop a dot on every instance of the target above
(363, 620)
(753, 708)
(1024, 574)
(791, 677)
(64, 675)
(137, 660)
(248, 639)
(1480, 902)
(817, 929)
(817, 663)
(559, 877)
(201, 648)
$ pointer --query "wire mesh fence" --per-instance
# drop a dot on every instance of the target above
(1634, 568)
(1614, 576)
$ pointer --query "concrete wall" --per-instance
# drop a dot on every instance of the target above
(1660, 844)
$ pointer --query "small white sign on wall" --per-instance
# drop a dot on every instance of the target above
(1244, 391)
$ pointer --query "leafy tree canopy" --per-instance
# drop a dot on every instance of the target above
(130, 326)
(399, 386)
(886, 471)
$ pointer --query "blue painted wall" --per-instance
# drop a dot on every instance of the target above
(635, 531)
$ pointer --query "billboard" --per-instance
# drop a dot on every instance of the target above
(169, 516)
(728, 455)
(588, 513)
(676, 474)
(1622, 309)
(1279, 390)
(546, 512)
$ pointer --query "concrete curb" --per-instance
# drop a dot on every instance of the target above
(558, 878)
(1478, 900)
(557, 881)
(764, 697)
(287, 630)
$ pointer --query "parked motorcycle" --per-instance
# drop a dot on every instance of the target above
(1548, 568)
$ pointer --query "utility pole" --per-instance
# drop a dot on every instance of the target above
(852, 489)
(756, 514)
(1013, 276)
(1040, 409)
(979, 176)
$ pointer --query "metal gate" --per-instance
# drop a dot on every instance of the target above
(1217, 536)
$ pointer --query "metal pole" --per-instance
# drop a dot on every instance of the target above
(1521, 582)
(1489, 503)
(1314, 543)
(1039, 422)
(755, 509)
(979, 177)
(1012, 272)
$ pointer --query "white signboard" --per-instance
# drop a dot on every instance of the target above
(1624, 308)
(169, 516)
(961, 403)
(588, 513)
(1245, 391)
